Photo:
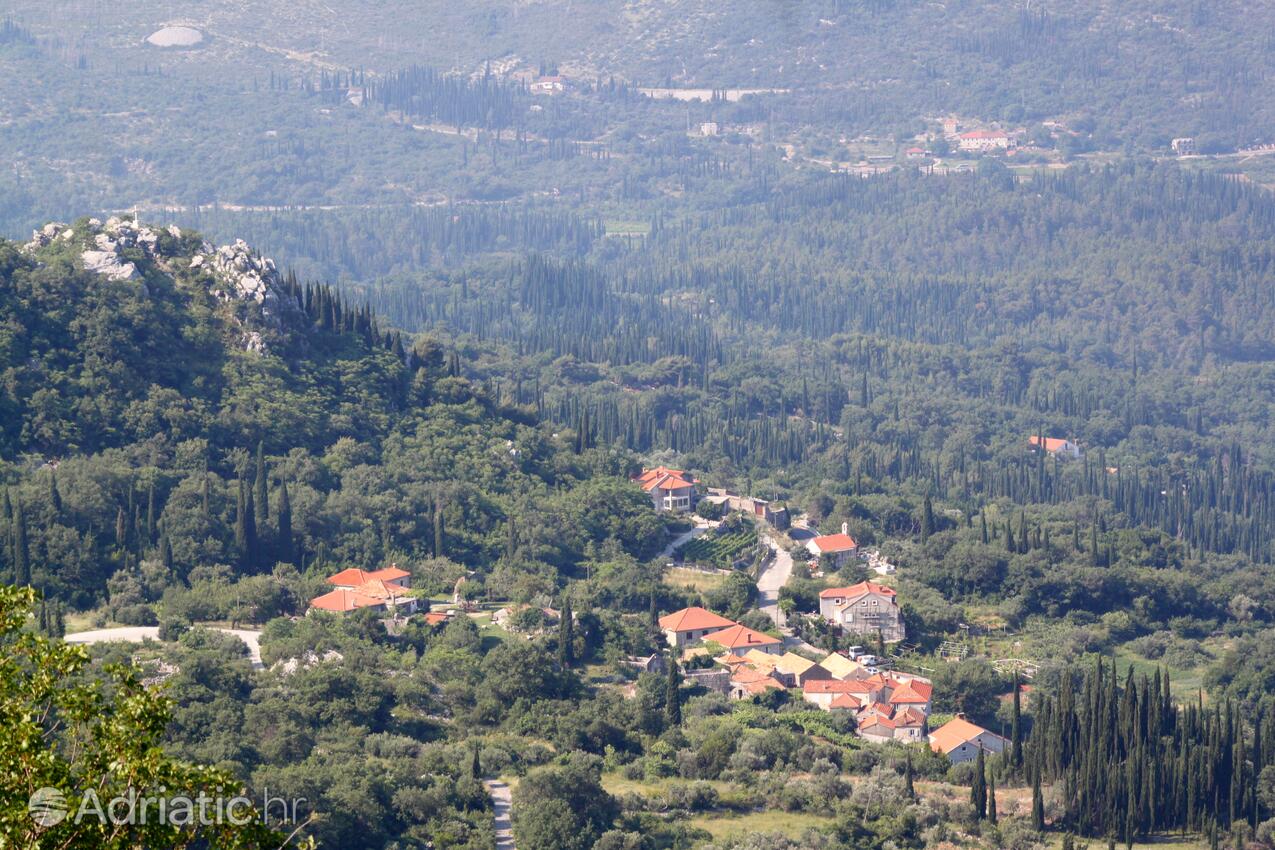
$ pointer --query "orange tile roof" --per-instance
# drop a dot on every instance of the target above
(760, 686)
(912, 692)
(835, 686)
(694, 619)
(955, 732)
(739, 637)
(832, 543)
(354, 577)
(730, 659)
(1052, 444)
(345, 600)
(854, 591)
(847, 702)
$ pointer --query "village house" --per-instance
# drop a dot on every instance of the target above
(865, 608)
(747, 682)
(960, 740)
(1184, 146)
(822, 692)
(1055, 446)
(790, 668)
(776, 515)
(549, 85)
(841, 668)
(691, 625)
(982, 141)
(669, 489)
(882, 724)
(383, 590)
(740, 639)
(839, 548)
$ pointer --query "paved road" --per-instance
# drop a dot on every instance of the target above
(502, 803)
(774, 575)
(137, 634)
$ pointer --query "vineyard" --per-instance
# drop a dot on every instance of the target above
(720, 549)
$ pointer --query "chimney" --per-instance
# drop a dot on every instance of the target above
(845, 528)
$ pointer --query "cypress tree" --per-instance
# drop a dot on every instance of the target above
(260, 488)
(284, 516)
(991, 799)
(475, 763)
(241, 522)
(978, 790)
(907, 777)
(55, 497)
(205, 506)
(59, 620)
(21, 551)
(673, 694)
(250, 532)
(927, 519)
(166, 550)
(1038, 803)
(566, 636)
(1016, 728)
(150, 514)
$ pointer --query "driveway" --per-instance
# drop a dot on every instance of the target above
(701, 525)
(502, 804)
(137, 634)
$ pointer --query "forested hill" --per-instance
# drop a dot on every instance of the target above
(172, 409)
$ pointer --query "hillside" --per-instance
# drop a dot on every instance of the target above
(143, 367)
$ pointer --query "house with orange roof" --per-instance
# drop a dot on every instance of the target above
(866, 608)
(982, 141)
(1055, 446)
(747, 681)
(822, 692)
(841, 667)
(740, 639)
(669, 489)
(846, 702)
(960, 740)
(910, 693)
(837, 548)
(882, 724)
(383, 590)
(691, 625)
(351, 578)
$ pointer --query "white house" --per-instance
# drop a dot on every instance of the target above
(1056, 446)
(692, 625)
(960, 740)
(866, 608)
(838, 547)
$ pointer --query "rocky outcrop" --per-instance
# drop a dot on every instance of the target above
(247, 282)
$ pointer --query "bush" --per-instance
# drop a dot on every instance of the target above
(172, 628)
(136, 615)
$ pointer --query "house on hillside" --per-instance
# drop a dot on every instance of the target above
(382, 590)
(960, 740)
(823, 692)
(691, 625)
(840, 548)
(841, 668)
(1055, 446)
(982, 141)
(865, 608)
(740, 639)
(549, 85)
(669, 489)
(883, 723)
(747, 682)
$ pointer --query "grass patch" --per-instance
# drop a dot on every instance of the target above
(697, 580)
(724, 825)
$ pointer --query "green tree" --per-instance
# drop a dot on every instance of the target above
(118, 734)
(673, 694)
(978, 790)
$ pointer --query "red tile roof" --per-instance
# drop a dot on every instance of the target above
(1052, 444)
(984, 134)
(836, 686)
(664, 478)
(832, 543)
(955, 732)
(741, 638)
(354, 577)
(854, 591)
(693, 620)
(847, 702)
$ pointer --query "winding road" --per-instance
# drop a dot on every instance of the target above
(137, 634)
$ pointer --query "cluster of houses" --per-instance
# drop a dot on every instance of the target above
(885, 705)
